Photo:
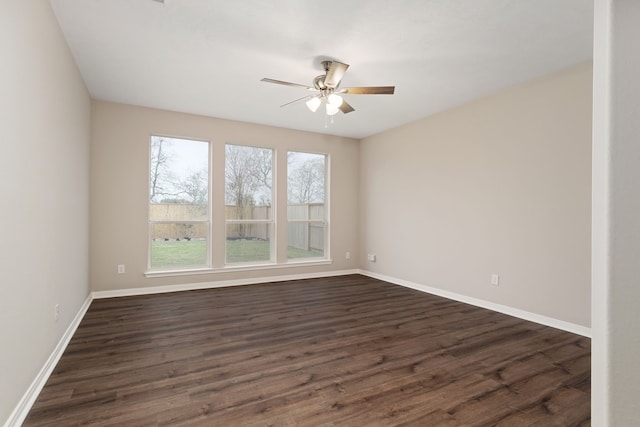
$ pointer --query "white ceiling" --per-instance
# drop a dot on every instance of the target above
(207, 56)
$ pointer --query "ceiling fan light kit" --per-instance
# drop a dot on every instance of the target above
(334, 100)
(314, 103)
(327, 88)
(332, 110)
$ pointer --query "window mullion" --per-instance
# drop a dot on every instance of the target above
(218, 228)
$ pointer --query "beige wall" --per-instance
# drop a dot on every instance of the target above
(119, 189)
(500, 185)
(44, 134)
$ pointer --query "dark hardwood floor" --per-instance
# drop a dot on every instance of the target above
(349, 351)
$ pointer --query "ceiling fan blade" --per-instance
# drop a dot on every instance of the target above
(371, 90)
(335, 73)
(280, 82)
(296, 100)
(345, 107)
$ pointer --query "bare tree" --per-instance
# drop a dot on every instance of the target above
(247, 175)
(195, 189)
(306, 181)
(165, 186)
(247, 179)
(159, 168)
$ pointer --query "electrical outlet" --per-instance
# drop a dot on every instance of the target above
(347, 255)
(56, 312)
(121, 269)
(495, 280)
(371, 257)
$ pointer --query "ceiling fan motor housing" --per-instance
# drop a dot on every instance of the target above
(318, 82)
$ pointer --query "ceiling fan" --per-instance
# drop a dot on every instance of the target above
(327, 89)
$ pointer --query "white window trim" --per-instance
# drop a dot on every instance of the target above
(248, 266)
(208, 221)
(273, 260)
(326, 221)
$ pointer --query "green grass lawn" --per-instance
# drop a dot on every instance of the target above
(172, 253)
(185, 253)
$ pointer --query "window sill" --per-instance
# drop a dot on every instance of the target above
(234, 268)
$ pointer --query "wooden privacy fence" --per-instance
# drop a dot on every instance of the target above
(178, 212)
(306, 235)
(301, 235)
(248, 231)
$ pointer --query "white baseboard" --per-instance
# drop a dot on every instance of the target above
(525, 315)
(21, 410)
(217, 284)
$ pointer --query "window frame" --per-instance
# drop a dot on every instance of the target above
(217, 222)
(273, 256)
(327, 211)
(208, 221)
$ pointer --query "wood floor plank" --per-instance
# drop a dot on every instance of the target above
(346, 350)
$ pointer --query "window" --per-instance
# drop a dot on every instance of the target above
(178, 204)
(306, 206)
(248, 210)
(183, 202)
